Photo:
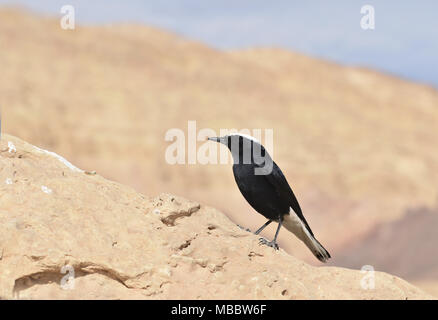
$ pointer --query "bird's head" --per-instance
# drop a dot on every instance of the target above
(237, 143)
(244, 148)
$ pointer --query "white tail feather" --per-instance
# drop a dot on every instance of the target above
(294, 224)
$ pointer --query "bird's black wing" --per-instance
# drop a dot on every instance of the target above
(277, 179)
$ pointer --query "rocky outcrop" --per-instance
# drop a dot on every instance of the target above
(66, 233)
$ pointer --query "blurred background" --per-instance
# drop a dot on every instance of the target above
(354, 112)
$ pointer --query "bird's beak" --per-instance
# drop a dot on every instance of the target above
(216, 139)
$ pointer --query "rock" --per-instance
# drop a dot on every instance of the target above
(90, 238)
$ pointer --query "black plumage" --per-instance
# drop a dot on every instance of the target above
(264, 186)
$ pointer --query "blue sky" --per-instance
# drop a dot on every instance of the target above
(404, 42)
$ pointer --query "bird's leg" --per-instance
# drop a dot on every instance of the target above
(262, 227)
(258, 230)
(273, 243)
(278, 230)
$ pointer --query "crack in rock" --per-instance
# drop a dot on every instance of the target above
(52, 274)
(185, 245)
(171, 217)
(171, 208)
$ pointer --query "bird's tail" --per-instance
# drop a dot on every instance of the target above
(294, 224)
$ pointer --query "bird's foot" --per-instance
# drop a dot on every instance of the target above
(271, 244)
(243, 228)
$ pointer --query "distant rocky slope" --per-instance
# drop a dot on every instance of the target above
(121, 244)
(411, 238)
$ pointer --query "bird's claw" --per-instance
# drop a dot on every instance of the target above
(271, 244)
(244, 229)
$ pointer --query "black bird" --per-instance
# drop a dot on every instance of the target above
(266, 189)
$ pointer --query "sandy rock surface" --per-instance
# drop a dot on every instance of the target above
(56, 219)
